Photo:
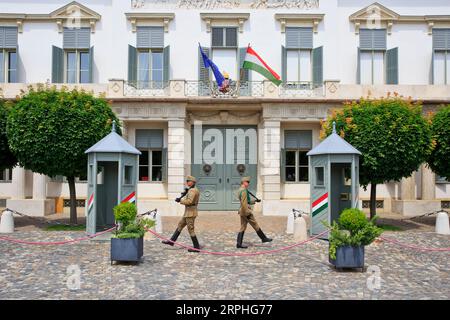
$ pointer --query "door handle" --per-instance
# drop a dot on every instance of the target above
(228, 180)
(220, 180)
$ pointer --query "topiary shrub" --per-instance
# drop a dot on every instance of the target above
(129, 225)
(352, 220)
(440, 128)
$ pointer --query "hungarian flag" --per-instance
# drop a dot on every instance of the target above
(254, 62)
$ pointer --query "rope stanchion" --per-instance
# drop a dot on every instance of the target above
(239, 254)
(44, 243)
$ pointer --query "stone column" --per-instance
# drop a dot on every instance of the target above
(39, 186)
(175, 158)
(408, 188)
(270, 171)
(428, 184)
(18, 183)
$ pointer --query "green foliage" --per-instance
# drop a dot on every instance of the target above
(352, 219)
(439, 160)
(130, 227)
(125, 213)
(391, 133)
(7, 159)
(352, 229)
(64, 227)
(49, 130)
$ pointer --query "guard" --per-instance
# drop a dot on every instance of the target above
(189, 198)
(246, 213)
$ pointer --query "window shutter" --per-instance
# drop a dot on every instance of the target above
(372, 39)
(166, 61)
(379, 39)
(17, 66)
(317, 66)
(358, 67)
(283, 165)
(149, 37)
(2, 67)
(149, 138)
(298, 139)
(244, 73)
(165, 165)
(57, 65)
(8, 37)
(217, 39)
(203, 74)
(132, 64)
(432, 68)
(83, 38)
(392, 66)
(283, 64)
(76, 38)
(91, 65)
(299, 38)
(441, 39)
(231, 37)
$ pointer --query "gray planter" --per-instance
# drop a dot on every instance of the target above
(131, 249)
(349, 257)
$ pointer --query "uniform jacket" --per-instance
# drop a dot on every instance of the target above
(246, 202)
(191, 201)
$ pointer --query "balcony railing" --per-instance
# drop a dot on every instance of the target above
(179, 89)
(232, 90)
(145, 88)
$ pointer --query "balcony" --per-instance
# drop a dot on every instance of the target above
(331, 90)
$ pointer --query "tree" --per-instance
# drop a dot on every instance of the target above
(392, 135)
(49, 130)
(439, 160)
(7, 159)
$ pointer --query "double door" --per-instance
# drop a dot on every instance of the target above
(221, 156)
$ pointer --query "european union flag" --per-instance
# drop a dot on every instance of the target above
(208, 63)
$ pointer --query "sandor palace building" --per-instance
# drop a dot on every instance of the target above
(144, 56)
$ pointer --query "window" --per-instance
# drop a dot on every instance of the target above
(77, 67)
(150, 165)
(376, 64)
(74, 62)
(441, 56)
(296, 163)
(440, 179)
(6, 175)
(224, 37)
(8, 54)
(224, 45)
(299, 45)
(150, 68)
(320, 177)
(128, 175)
(152, 160)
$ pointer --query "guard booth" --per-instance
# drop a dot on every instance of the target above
(112, 179)
(334, 168)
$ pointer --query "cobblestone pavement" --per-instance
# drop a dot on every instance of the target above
(48, 272)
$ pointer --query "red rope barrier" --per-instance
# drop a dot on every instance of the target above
(239, 254)
(56, 242)
(411, 246)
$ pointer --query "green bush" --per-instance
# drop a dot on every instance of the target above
(352, 220)
(352, 229)
(130, 226)
(440, 128)
(125, 213)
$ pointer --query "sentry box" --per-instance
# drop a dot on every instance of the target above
(112, 179)
(334, 167)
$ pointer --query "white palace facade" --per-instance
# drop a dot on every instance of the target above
(143, 56)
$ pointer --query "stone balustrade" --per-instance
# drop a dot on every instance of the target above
(180, 88)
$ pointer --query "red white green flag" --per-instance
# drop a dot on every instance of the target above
(320, 204)
(254, 62)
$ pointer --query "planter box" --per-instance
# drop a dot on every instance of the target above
(349, 257)
(127, 249)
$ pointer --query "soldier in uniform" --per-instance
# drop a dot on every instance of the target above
(246, 213)
(189, 199)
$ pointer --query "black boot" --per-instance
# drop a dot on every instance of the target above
(240, 238)
(195, 243)
(173, 239)
(263, 237)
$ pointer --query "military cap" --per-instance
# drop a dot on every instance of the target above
(191, 178)
(245, 179)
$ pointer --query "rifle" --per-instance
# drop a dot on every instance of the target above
(183, 194)
(256, 198)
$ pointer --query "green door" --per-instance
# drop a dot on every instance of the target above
(221, 156)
